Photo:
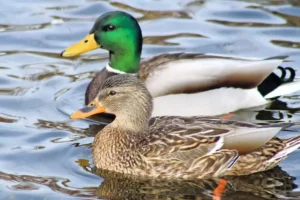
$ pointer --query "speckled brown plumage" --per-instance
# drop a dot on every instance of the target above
(178, 147)
(179, 150)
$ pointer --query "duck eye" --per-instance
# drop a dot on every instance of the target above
(109, 27)
(112, 92)
(91, 104)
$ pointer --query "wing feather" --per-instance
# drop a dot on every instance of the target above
(183, 138)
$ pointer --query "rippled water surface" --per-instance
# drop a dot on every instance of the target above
(44, 155)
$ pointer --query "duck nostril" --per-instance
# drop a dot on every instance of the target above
(86, 41)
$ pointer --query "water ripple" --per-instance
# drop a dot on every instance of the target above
(45, 155)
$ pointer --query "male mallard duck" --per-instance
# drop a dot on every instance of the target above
(176, 147)
(209, 84)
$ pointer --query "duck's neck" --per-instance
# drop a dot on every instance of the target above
(111, 146)
(126, 61)
(131, 127)
(114, 146)
(137, 125)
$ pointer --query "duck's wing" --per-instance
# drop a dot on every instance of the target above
(202, 146)
(177, 147)
(190, 73)
(241, 136)
(183, 137)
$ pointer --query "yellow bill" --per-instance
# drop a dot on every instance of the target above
(93, 108)
(85, 45)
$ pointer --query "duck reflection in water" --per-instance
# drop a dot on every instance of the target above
(272, 184)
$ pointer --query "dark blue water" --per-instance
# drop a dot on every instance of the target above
(44, 155)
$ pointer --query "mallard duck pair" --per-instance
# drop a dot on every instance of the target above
(209, 84)
(177, 147)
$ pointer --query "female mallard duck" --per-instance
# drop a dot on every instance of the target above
(176, 147)
(209, 84)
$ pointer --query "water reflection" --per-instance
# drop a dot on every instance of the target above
(273, 184)
(27, 183)
(44, 155)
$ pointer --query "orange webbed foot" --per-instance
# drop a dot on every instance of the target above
(220, 189)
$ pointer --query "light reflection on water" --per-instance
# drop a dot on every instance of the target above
(44, 155)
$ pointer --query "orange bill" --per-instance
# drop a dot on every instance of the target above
(92, 109)
(85, 45)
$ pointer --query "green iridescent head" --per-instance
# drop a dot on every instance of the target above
(120, 34)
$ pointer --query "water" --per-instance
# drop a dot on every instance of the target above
(44, 155)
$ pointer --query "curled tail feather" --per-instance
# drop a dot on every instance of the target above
(272, 86)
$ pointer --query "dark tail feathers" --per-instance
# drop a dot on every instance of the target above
(273, 81)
